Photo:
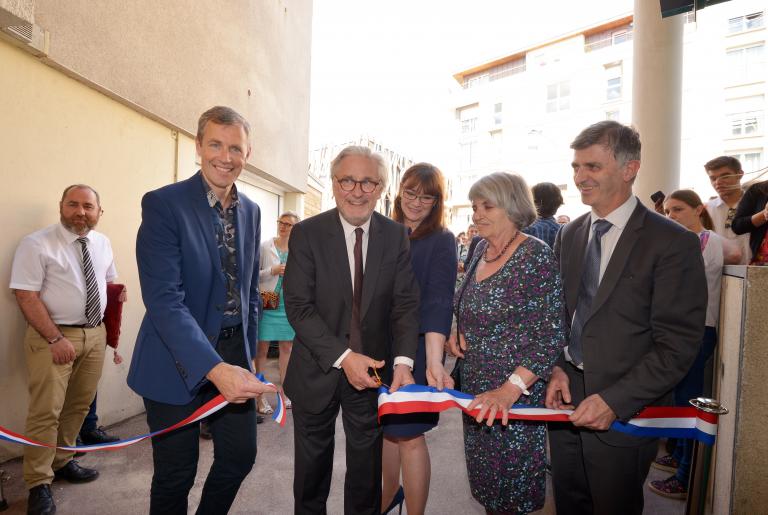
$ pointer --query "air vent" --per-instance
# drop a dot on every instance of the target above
(23, 32)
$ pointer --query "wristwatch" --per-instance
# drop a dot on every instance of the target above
(518, 381)
(55, 339)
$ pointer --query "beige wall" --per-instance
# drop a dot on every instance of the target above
(56, 132)
(176, 58)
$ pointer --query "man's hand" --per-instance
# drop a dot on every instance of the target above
(438, 377)
(236, 384)
(63, 351)
(593, 413)
(558, 390)
(356, 367)
(116, 357)
(494, 401)
(457, 345)
(401, 377)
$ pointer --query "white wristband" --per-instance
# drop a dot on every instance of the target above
(518, 381)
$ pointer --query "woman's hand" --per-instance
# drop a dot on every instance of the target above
(456, 348)
(278, 269)
(438, 377)
(495, 401)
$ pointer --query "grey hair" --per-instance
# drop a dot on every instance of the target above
(509, 192)
(622, 140)
(292, 214)
(356, 150)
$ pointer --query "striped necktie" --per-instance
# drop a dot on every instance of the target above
(92, 301)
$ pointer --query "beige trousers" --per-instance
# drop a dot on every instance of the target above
(59, 397)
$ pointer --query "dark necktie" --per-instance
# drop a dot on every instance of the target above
(590, 280)
(92, 301)
(355, 331)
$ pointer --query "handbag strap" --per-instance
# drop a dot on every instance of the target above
(468, 277)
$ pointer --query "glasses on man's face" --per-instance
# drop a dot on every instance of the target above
(424, 199)
(348, 184)
(287, 225)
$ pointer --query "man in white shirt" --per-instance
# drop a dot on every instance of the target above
(60, 277)
(725, 174)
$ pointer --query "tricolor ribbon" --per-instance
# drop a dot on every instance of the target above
(666, 422)
(209, 408)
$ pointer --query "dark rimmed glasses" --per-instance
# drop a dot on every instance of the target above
(348, 184)
(424, 199)
(284, 224)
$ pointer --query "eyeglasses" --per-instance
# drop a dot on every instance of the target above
(284, 224)
(348, 184)
(424, 199)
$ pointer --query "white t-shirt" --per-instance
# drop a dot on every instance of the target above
(50, 261)
(713, 268)
(718, 210)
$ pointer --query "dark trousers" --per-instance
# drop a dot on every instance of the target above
(175, 454)
(590, 476)
(91, 421)
(314, 444)
(690, 387)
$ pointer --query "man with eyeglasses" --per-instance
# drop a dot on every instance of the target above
(725, 174)
(352, 299)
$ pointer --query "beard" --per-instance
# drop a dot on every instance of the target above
(78, 225)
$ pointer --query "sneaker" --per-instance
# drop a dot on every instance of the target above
(666, 463)
(669, 487)
(264, 406)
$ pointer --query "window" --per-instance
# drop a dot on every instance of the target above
(497, 146)
(745, 116)
(467, 119)
(558, 96)
(751, 160)
(498, 114)
(613, 75)
(606, 38)
(612, 115)
(746, 64)
(467, 155)
(747, 22)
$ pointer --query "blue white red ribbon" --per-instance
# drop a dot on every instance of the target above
(666, 422)
(199, 414)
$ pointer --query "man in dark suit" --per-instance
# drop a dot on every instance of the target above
(197, 252)
(352, 299)
(636, 298)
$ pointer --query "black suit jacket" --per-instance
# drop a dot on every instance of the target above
(317, 289)
(647, 318)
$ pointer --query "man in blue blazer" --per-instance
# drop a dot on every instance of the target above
(197, 253)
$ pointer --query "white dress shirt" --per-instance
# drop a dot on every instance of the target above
(349, 238)
(50, 261)
(718, 210)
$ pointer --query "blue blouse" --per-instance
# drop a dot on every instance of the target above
(434, 263)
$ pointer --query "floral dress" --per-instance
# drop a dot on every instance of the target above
(512, 318)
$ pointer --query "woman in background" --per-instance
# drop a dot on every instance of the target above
(419, 206)
(685, 207)
(274, 325)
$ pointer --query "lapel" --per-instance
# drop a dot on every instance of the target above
(241, 230)
(619, 257)
(337, 247)
(575, 263)
(203, 213)
(372, 263)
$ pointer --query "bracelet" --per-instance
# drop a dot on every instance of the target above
(518, 381)
(55, 339)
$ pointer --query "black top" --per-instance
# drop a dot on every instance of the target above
(754, 200)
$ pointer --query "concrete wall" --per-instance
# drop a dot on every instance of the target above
(114, 104)
(176, 58)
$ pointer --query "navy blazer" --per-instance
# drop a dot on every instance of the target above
(183, 288)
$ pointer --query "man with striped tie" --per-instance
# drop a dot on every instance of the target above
(60, 277)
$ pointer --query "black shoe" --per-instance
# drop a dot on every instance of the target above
(41, 501)
(259, 419)
(74, 473)
(97, 436)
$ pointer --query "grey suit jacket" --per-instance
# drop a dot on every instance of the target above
(647, 319)
(317, 289)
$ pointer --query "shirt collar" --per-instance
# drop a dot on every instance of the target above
(211, 196)
(68, 235)
(619, 216)
(717, 201)
(350, 229)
